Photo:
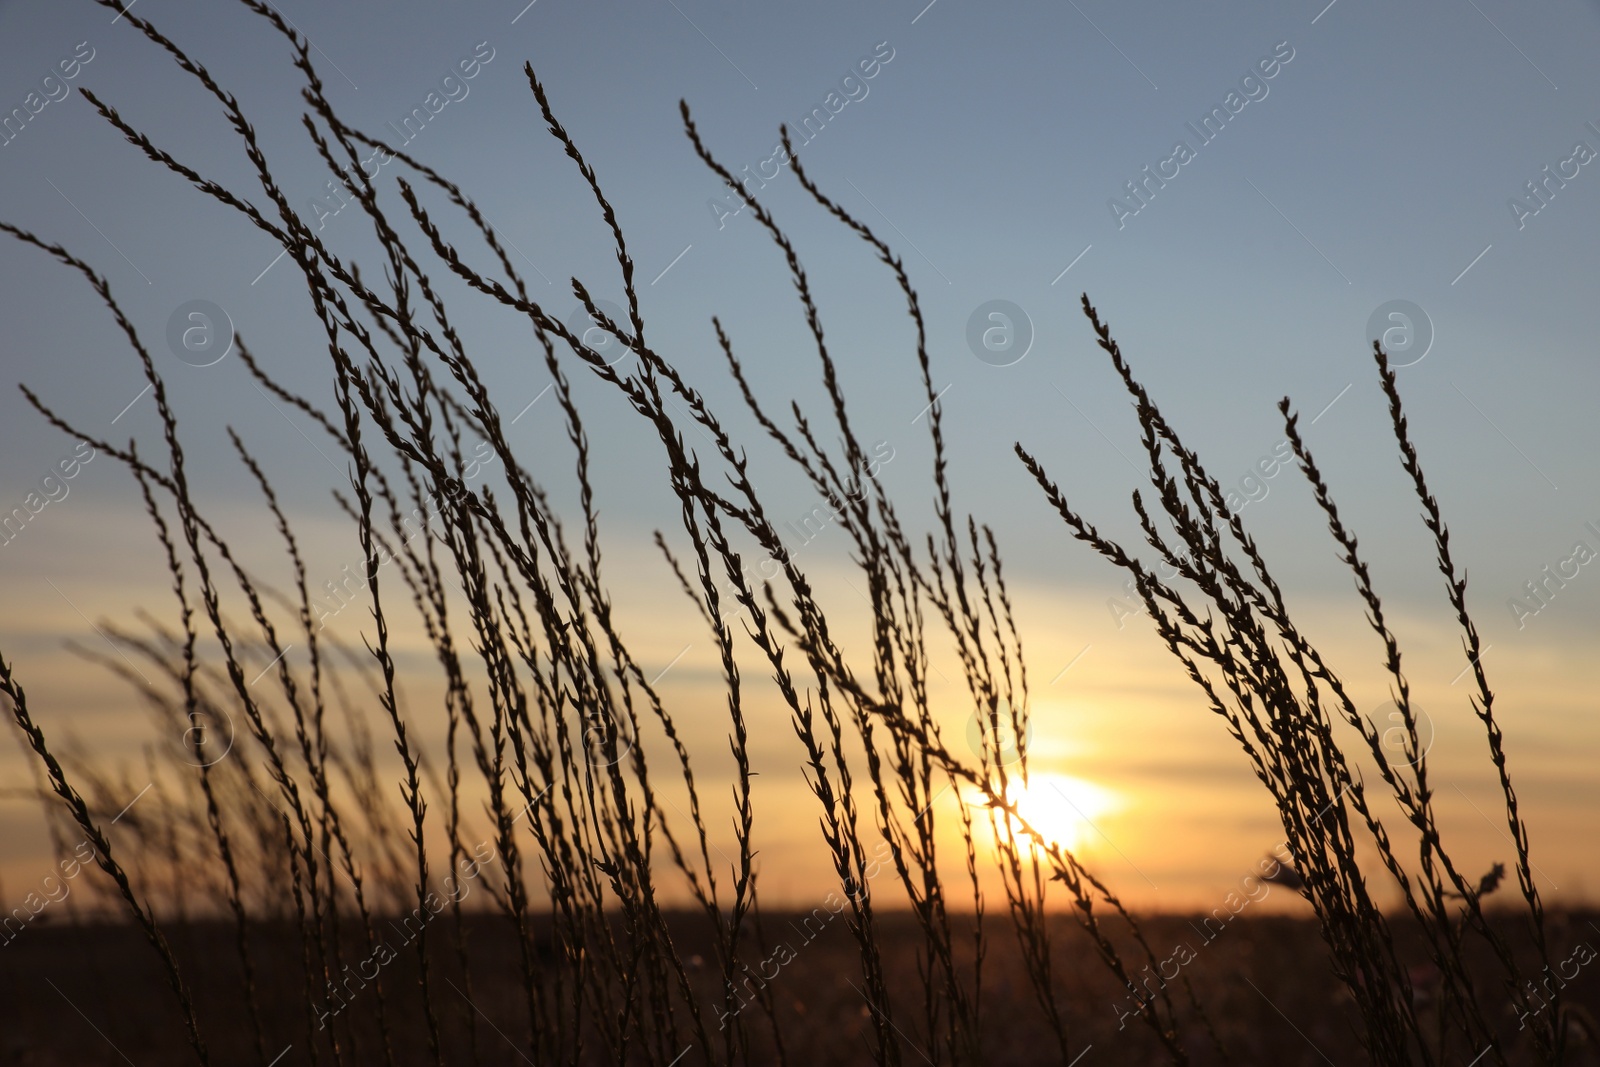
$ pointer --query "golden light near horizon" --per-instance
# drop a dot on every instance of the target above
(1063, 809)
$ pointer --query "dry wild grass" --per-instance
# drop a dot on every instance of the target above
(552, 940)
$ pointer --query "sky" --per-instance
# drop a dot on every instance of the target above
(1374, 171)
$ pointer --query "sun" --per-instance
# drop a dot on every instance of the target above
(1063, 809)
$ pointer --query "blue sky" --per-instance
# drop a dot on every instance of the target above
(1377, 164)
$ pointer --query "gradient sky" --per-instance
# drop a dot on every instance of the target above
(1378, 166)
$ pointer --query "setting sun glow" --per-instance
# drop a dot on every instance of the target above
(1064, 809)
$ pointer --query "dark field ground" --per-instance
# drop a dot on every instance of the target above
(95, 995)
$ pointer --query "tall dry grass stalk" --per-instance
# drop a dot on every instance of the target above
(1279, 699)
(549, 716)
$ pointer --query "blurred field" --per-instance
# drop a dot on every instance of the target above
(1264, 980)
